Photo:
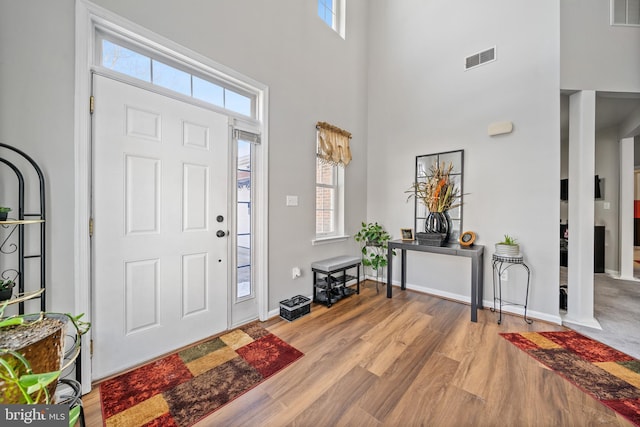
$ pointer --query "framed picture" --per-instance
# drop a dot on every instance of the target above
(407, 233)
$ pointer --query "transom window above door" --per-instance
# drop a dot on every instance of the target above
(135, 63)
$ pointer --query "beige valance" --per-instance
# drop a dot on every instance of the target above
(333, 144)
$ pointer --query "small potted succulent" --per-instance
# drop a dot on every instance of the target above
(6, 289)
(508, 247)
(4, 211)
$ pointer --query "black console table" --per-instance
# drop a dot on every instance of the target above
(475, 252)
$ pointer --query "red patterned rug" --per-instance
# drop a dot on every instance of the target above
(181, 389)
(608, 375)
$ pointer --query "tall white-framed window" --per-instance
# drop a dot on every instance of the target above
(244, 161)
(332, 13)
(625, 12)
(329, 200)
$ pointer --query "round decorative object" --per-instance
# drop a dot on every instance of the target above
(467, 238)
(438, 222)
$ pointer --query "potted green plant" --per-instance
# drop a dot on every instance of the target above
(6, 289)
(373, 241)
(508, 247)
(4, 211)
(31, 354)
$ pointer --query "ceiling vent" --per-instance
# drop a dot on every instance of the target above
(480, 58)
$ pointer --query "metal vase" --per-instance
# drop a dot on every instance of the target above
(438, 222)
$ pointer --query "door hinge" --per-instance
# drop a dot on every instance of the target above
(90, 227)
(92, 104)
(91, 348)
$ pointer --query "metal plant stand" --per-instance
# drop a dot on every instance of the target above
(501, 264)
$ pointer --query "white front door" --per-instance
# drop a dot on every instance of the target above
(160, 195)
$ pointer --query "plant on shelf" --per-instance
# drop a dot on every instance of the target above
(508, 246)
(31, 347)
(373, 241)
(4, 211)
(6, 289)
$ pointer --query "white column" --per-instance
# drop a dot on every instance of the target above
(582, 142)
(625, 212)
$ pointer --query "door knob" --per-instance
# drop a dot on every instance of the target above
(220, 233)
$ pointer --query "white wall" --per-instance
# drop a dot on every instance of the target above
(422, 101)
(36, 115)
(596, 55)
(312, 74)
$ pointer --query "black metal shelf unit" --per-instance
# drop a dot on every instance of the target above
(14, 158)
(29, 177)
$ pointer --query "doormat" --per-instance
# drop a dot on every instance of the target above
(184, 387)
(606, 374)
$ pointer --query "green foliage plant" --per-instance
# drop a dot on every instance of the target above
(31, 386)
(16, 369)
(4, 209)
(508, 240)
(6, 284)
(373, 239)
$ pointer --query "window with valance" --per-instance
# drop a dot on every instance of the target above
(333, 144)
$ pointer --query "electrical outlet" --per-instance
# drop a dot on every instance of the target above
(504, 276)
(292, 201)
(295, 272)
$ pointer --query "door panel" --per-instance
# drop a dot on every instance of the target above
(142, 195)
(160, 180)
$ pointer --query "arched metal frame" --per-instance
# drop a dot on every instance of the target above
(24, 216)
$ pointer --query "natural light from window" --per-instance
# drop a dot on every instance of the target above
(142, 67)
(243, 219)
(326, 198)
(327, 12)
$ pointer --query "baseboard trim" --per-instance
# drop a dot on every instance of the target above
(517, 310)
(567, 320)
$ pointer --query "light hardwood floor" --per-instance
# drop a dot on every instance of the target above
(414, 360)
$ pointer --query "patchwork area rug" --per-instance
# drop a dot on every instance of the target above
(180, 389)
(608, 375)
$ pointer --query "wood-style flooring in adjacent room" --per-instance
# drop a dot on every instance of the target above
(414, 360)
